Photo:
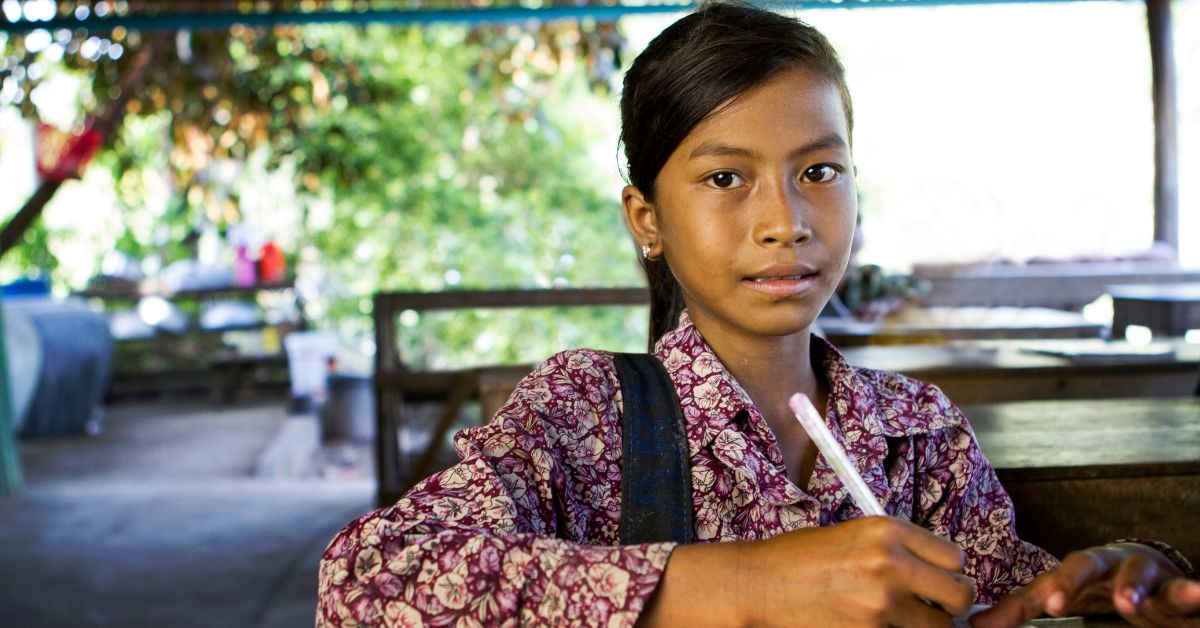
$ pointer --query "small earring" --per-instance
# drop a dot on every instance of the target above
(646, 251)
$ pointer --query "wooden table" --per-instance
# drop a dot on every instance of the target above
(939, 325)
(974, 372)
(1018, 370)
(1086, 472)
(1167, 309)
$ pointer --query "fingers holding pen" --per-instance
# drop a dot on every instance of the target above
(931, 548)
(926, 569)
(865, 572)
(952, 592)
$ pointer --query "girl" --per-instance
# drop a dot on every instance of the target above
(737, 129)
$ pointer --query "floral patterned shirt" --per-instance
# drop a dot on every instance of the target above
(525, 528)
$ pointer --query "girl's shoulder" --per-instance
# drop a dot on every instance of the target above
(568, 399)
(568, 379)
(575, 368)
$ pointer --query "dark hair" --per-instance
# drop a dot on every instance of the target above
(701, 62)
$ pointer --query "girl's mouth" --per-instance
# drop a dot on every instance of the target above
(782, 285)
(781, 278)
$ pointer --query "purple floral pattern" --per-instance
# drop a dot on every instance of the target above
(524, 530)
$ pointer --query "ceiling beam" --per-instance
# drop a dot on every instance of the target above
(479, 16)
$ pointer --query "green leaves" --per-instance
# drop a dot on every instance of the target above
(422, 159)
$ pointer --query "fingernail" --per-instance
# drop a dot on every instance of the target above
(1056, 602)
(1135, 596)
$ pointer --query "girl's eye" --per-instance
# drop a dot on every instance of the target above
(823, 173)
(725, 179)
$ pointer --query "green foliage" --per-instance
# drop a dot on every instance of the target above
(423, 158)
(435, 186)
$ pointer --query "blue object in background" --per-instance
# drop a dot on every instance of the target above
(33, 287)
(76, 364)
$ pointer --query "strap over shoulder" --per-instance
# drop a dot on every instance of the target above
(656, 476)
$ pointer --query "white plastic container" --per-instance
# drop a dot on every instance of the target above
(309, 354)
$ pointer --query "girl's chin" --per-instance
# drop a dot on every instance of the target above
(782, 321)
(782, 317)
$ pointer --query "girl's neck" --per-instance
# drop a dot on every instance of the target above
(770, 368)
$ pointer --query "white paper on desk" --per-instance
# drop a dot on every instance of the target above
(963, 621)
(1105, 352)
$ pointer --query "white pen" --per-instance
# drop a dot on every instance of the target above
(834, 454)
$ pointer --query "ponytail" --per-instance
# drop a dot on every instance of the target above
(666, 298)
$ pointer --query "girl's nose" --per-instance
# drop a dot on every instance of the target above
(783, 218)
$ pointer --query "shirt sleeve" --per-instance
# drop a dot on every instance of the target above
(523, 529)
(958, 497)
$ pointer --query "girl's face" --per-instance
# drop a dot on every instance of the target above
(755, 209)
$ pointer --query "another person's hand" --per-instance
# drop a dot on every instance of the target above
(1133, 580)
(874, 571)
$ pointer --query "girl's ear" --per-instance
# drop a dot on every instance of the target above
(642, 221)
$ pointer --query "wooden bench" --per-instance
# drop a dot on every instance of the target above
(396, 385)
(1167, 309)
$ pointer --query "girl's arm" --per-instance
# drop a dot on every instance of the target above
(482, 543)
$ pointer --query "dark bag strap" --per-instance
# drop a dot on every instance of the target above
(656, 474)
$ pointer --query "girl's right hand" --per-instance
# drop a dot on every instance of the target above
(874, 571)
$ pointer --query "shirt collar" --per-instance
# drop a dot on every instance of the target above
(862, 402)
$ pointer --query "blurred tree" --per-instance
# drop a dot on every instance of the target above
(424, 157)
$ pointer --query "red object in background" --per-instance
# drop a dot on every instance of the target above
(62, 156)
(271, 265)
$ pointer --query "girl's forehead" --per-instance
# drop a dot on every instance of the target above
(792, 104)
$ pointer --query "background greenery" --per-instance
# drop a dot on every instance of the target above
(379, 157)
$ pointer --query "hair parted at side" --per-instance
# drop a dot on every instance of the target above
(701, 62)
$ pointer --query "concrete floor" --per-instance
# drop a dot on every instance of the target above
(160, 521)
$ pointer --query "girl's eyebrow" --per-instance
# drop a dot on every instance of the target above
(721, 149)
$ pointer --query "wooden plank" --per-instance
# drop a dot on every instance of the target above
(129, 292)
(969, 374)
(1166, 122)
(854, 333)
(471, 299)
(1059, 286)
(1066, 515)
(1090, 439)
(387, 356)
(1088, 472)
(993, 372)
(462, 389)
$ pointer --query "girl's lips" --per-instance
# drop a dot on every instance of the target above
(784, 286)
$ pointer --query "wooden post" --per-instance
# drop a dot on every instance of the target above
(1166, 128)
(10, 461)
